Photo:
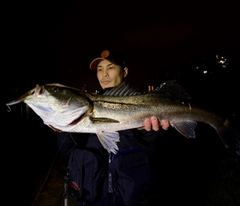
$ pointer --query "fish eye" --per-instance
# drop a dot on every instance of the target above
(55, 89)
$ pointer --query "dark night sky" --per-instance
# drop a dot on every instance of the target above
(50, 42)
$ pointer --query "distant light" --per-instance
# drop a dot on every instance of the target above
(222, 61)
(205, 72)
(150, 88)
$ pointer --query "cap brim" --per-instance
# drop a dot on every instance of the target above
(95, 62)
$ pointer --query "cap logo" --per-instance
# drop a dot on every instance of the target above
(105, 54)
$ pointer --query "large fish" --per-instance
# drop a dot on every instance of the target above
(68, 109)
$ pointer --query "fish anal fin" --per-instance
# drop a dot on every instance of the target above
(109, 141)
(187, 129)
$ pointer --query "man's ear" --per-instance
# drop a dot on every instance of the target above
(125, 71)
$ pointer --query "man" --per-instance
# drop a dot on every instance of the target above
(97, 177)
(111, 72)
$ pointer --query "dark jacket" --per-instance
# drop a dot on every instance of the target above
(110, 179)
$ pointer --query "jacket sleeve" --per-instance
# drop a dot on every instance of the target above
(150, 136)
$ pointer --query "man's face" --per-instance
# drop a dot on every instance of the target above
(109, 74)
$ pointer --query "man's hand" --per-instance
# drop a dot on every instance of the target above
(154, 124)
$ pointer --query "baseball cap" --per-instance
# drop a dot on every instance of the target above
(111, 55)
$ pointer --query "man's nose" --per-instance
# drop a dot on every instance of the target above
(105, 73)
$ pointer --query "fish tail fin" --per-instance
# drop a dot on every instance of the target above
(230, 136)
(109, 141)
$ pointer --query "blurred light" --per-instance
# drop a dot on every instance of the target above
(222, 61)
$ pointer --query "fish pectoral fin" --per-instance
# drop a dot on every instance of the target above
(103, 120)
(109, 141)
(187, 129)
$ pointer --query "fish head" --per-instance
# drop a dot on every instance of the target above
(58, 106)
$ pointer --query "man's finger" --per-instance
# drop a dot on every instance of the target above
(165, 124)
(155, 123)
(147, 124)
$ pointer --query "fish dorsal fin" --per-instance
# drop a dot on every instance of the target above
(172, 89)
(122, 90)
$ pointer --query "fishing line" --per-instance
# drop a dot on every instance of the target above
(44, 182)
(8, 108)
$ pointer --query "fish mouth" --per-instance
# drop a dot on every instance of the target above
(38, 90)
(35, 91)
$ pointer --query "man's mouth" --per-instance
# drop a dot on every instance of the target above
(106, 82)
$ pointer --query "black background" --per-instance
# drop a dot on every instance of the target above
(46, 42)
